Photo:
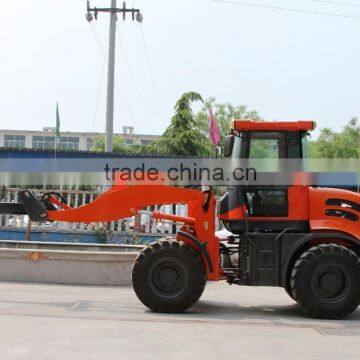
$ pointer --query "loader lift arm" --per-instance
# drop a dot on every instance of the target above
(122, 201)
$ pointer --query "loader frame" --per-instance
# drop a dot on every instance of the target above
(122, 201)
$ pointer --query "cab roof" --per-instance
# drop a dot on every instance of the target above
(248, 125)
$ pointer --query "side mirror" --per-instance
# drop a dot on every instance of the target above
(218, 152)
(229, 144)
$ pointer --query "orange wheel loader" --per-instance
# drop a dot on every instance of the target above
(302, 238)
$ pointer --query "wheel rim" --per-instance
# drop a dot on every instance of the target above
(330, 284)
(168, 277)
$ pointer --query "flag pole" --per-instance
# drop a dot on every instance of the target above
(214, 132)
(210, 138)
(57, 128)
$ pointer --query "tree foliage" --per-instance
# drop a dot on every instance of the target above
(188, 134)
(343, 144)
(182, 136)
(118, 144)
(224, 113)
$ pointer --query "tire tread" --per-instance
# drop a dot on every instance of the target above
(163, 246)
(296, 279)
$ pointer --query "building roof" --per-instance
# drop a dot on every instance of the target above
(73, 133)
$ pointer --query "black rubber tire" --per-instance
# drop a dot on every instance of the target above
(168, 276)
(325, 281)
(288, 291)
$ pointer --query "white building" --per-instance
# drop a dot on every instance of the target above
(45, 139)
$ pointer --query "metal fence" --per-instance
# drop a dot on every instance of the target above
(142, 223)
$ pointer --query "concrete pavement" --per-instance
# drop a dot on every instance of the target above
(87, 322)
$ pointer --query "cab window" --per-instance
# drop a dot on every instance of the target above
(265, 145)
(267, 202)
(236, 152)
(305, 145)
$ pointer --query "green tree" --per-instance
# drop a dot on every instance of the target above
(138, 149)
(182, 136)
(118, 144)
(344, 144)
(224, 113)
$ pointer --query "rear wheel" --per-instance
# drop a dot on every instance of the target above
(168, 276)
(288, 291)
(325, 281)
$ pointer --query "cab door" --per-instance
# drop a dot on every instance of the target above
(275, 207)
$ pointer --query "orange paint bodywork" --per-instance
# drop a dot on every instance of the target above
(298, 198)
(310, 204)
(122, 201)
(242, 125)
(320, 222)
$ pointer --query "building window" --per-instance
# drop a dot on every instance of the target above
(129, 141)
(43, 142)
(68, 143)
(145, 142)
(14, 141)
(48, 143)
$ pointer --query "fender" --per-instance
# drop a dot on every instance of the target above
(198, 246)
(300, 245)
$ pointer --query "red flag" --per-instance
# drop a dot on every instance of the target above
(214, 129)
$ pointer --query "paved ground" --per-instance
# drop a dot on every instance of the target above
(230, 322)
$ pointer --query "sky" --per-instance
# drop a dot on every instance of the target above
(286, 65)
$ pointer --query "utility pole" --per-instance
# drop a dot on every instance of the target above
(113, 10)
(110, 82)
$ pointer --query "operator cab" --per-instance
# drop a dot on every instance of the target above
(268, 206)
(250, 139)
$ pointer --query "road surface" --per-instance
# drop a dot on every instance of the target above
(230, 322)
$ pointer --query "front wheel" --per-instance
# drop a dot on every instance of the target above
(168, 276)
(325, 281)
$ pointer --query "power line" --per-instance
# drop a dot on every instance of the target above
(337, 3)
(97, 102)
(97, 40)
(137, 89)
(151, 72)
(126, 104)
(285, 9)
(127, 108)
(102, 73)
(91, 14)
(103, 52)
